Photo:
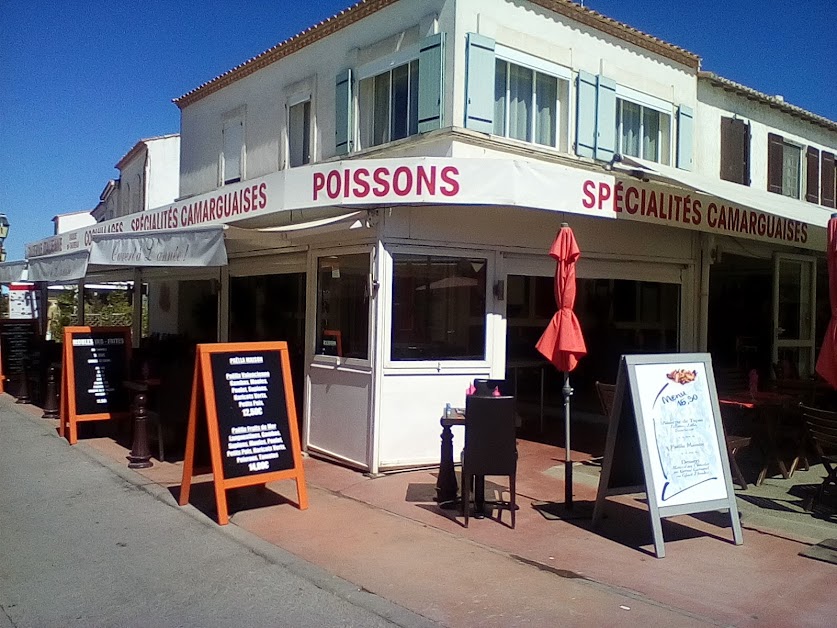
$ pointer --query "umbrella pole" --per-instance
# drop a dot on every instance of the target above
(568, 464)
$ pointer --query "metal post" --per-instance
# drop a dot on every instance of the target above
(568, 463)
(51, 404)
(140, 456)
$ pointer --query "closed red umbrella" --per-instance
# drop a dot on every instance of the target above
(827, 360)
(562, 343)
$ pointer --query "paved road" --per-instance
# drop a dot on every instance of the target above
(81, 545)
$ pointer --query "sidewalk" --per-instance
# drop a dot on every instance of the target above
(387, 536)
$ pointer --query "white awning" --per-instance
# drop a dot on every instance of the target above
(11, 272)
(165, 248)
(60, 267)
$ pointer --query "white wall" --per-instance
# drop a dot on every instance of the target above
(716, 102)
(261, 95)
(163, 184)
(70, 222)
(550, 36)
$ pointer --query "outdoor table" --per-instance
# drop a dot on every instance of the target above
(768, 406)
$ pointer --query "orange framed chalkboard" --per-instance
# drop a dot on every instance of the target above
(95, 364)
(248, 398)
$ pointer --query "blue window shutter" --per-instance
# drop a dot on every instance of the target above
(431, 88)
(343, 113)
(479, 91)
(585, 119)
(685, 137)
(605, 118)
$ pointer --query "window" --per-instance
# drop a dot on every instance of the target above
(735, 151)
(438, 308)
(343, 306)
(828, 179)
(299, 134)
(642, 132)
(525, 104)
(784, 166)
(233, 149)
(388, 105)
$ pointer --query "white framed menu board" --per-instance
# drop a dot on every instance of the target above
(665, 438)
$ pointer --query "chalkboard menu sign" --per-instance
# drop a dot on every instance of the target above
(247, 393)
(18, 344)
(95, 366)
(252, 412)
(665, 438)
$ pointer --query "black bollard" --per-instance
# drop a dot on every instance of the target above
(51, 403)
(140, 456)
(23, 390)
(446, 487)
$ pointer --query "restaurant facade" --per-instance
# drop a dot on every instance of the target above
(381, 192)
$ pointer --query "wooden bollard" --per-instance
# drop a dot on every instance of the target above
(23, 390)
(51, 403)
(140, 456)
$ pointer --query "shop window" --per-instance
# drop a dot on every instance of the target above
(388, 105)
(641, 131)
(299, 134)
(438, 308)
(233, 150)
(784, 166)
(343, 306)
(735, 150)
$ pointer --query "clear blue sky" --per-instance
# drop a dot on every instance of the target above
(81, 82)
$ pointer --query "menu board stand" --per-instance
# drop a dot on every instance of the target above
(95, 363)
(676, 428)
(19, 353)
(248, 396)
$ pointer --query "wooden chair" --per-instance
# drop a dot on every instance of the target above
(821, 432)
(606, 394)
(490, 445)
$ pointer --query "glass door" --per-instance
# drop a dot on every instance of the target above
(794, 298)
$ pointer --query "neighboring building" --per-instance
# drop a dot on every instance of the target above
(72, 221)
(148, 178)
(398, 172)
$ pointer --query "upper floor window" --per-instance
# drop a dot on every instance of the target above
(299, 134)
(642, 132)
(233, 149)
(397, 95)
(735, 150)
(388, 105)
(526, 104)
(784, 166)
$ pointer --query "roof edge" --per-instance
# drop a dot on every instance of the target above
(312, 34)
(771, 101)
(365, 8)
(601, 22)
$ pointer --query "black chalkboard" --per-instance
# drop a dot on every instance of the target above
(247, 393)
(100, 360)
(252, 412)
(18, 344)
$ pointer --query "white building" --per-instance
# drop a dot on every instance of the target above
(72, 221)
(148, 178)
(396, 174)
